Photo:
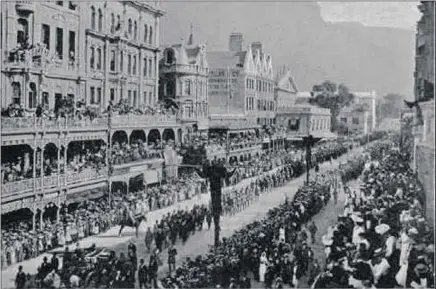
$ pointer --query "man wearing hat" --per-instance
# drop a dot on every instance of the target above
(421, 277)
(20, 279)
(380, 269)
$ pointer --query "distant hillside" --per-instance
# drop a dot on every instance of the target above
(364, 58)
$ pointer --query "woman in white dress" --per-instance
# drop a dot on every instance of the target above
(262, 267)
(61, 237)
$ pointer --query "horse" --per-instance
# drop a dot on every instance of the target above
(127, 222)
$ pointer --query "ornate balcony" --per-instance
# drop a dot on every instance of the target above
(53, 181)
(86, 175)
(143, 120)
(12, 188)
(26, 7)
(184, 68)
(22, 124)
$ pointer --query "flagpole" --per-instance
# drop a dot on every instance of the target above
(228, 89)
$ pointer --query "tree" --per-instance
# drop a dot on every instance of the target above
(390, 106)
(333, 97)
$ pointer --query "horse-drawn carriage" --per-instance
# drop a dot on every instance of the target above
(83, 266)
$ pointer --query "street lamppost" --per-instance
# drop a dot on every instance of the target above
(308, 142)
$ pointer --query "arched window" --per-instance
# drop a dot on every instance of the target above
(130, 27)
(16, 91)
(92, 17)
(150, 39)
(170, 56)
(92, 58)
(118, 23)
(32, 95)
(22, 31)
(100, 20)
(145, 33)
(112, 23)
(135, 31)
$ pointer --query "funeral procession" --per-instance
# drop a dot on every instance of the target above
(217, 144)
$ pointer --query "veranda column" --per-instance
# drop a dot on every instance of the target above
(35, 147)
(59, 161)
(65, 163)
(42, 185)
(34, 215)
(58, 211)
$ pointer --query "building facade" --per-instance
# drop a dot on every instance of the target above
(368, 101)
(355, 119)
(295, 113)
(184, 79)
(92, 51)
(242, 81)
(424, 129)
(425, 53)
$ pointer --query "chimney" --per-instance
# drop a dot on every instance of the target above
(235, 42)
(255, 46)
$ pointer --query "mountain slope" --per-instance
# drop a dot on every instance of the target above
(364, 58)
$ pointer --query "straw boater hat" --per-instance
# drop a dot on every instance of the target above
(327, 241)
(382, 229)
(412, 231)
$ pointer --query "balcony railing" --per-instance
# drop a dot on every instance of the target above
(19, 187)
(85, 175)
(185, 68)
(15, 124)
(143, 120)
(12, 188)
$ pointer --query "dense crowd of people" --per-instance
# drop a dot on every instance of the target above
(382, 239)
(18, 167)
(91, 217)
(272, 250)
(112, 271)
(137, 150)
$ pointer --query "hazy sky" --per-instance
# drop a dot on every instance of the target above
(387, 14)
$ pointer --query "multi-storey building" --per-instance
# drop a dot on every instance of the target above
(368, 100)
(242, 81)
(424, 129)
(425, 53)
(184, 79)
(356, 119)
(66, 51)
(295, 113)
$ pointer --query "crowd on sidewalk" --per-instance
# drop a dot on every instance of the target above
(382, 239)
(111, 271)
(91, 217)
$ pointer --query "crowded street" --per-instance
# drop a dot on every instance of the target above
(198, 243)
(167, 145)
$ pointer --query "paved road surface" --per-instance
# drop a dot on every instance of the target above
(197, 244)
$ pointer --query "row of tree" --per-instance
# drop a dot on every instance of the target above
(335, 97)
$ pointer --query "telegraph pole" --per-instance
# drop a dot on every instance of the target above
(308, 142)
